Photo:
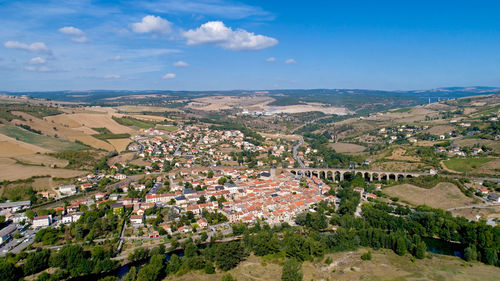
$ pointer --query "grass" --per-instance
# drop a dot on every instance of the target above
(466, 164)
(38, 140)
(402, 110)
(111, 136)
(168, 128)
(129, 121)
(384, 265)
(444, 195)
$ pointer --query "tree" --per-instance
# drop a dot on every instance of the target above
(30, 214)
(400, 246)
(470, 253)
(420, 250)
(209, 268)
(228, 255)
(109, 278)
(131, 275)
(8, 272)
(292, 270)
(36, 262)
(210, 174)
(366, 256)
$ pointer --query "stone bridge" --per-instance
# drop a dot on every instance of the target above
(339, 174)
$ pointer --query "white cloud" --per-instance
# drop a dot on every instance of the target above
(37, 60)
(215, 32)
(78, 36)
(290, 61)
(168, 76)
(116, 58)
(112, 76)
(271, 59)
(70, 30)
(152, 24)
(181, 63)
(36, 47)
(81, 39)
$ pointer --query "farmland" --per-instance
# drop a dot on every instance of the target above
(38, 140)
(10, 170)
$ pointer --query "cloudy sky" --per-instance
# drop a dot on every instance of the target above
(225, 44)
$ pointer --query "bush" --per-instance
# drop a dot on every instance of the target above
(366, 256)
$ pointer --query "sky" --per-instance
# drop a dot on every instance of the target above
(252, 45)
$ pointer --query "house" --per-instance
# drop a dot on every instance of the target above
(6, 232)
(117, 208)
(67, 219)
(42, 221)
(202, 223)
(67, 189)
(136, 219)
(100, 196)
(15, 206)
(18, 218)
(495, 197)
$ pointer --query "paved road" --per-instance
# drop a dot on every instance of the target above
(296, 153)
(15, 246)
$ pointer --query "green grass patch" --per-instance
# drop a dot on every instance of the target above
(129, 121)
(111, 136)
(39, 140)
(35, 110)
(466, 164)
(168, 128)
(402, 110)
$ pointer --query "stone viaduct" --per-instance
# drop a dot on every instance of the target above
(339, 174)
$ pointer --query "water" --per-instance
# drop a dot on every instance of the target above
(438, 246)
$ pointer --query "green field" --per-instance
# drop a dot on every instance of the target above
(39, 140)
(105, 134)
(168, 128)
(466, 164)
(129, 121)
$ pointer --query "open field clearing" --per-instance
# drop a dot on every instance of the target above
(119, 144)
(495, 145)
(398, 154)
(91, 121)
(122, 158)
(347, 147)
(384, 265)
(491, 167)
(278, 136)
(440, 130)
(140, 108)
(444, 195)
(483, 213)
(399, 166)
(308, 108)
(46, 142)
(153, 118)
(168, 128)
(9, 170)
(24, 145)
(466, 164)
(215, 103)
(9, 149)
(39, 159)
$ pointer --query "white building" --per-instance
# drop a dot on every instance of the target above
(67, 189)
(42, 221)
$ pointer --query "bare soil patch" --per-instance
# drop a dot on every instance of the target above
(347, 147)
(9, 170)
(38, 159)
(119, 144)
(9, 149)
(440, 130)
(444, 195)
(122, 158)
(398, 154)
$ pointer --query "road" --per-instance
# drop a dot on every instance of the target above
(480, 206)
(296, 152)
(15, 246)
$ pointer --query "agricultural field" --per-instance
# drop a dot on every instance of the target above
(463, 165)
(470, 142)
(78, 120)
(132, 122)
(444, 195)
(10, 170)
(46, 142)
(41, 159)
(119, 144)
(168, 128)
(384, 265)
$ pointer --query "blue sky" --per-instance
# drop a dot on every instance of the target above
(219, 44)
